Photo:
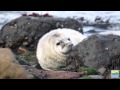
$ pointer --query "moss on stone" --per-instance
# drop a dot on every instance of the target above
(30, 56)
(86, 77)
(90, 71)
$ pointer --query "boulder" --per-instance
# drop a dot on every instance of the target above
(98, 51)
(25, 31)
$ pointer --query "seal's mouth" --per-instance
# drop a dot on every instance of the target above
(67, 51)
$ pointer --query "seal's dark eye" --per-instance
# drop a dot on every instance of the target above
(58, 43)
(69, 39)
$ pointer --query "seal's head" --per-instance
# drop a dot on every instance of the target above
(61, 44)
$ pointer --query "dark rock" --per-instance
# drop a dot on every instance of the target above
(91, 31)
(99, 22)
(101, 25)
(23, 62)
(98, 19)
(25, 31)
(97, 51)
(38, 66)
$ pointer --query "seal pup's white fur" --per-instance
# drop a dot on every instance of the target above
(54, 47)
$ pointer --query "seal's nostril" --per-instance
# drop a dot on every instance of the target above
(70, 44)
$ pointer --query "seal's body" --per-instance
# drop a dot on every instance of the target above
(54, 47)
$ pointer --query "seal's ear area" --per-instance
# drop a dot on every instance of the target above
(56, 35)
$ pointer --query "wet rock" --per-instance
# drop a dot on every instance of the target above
(23, 62)
(97, 51)
(98, 19)
(91, 31)
(99, 22)
(25, 31)
(101, 25)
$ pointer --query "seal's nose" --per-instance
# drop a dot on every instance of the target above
(70, 45)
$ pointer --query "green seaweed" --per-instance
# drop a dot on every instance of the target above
(90, 71)
(30, 56)
(86, 77)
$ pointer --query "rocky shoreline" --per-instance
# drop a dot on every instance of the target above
(99, 52)
(24, 32)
